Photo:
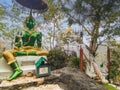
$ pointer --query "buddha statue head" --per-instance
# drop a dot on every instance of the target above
(29, 22)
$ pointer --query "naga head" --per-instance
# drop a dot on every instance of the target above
(30, 22)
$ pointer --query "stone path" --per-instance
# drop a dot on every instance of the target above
(28, 83)
(21, 81)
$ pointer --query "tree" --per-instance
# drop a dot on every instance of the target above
(99, 18)
(12, 16)
(115, 61)
(52, 18)
(8, 24)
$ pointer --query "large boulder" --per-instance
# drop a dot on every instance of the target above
(66, 79)
(74, 79)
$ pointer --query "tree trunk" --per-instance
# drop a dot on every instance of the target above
(54, 35)
(93, 46)
(94, 37)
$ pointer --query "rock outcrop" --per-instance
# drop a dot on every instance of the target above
(74, 79)
(66, 78)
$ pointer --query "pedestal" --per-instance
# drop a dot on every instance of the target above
(26, 63)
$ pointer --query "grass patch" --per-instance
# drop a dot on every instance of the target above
(109, 87)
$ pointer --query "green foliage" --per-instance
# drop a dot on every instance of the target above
(115, 61)
(57, 58)
(15, 11)
(70, 21)
(102, 17)
(2, 25)
(65, 9)
(6, 28)
(0, 55)
(51, 11)
(2, 12)
(109, 87)
(78, 5)
(50, 1)
(75, 61)
(114, 70)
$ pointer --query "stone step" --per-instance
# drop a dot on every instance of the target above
(5, 73)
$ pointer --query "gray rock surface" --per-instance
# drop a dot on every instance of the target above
(74, 79)
(64, 79)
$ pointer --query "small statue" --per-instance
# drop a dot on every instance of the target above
(27, 46)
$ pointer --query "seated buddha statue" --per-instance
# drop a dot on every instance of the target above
(29, 43)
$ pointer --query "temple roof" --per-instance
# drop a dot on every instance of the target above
(68, 30)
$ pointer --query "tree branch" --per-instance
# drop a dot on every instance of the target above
(76, 20)
(79, 23)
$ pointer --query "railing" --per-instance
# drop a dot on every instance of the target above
(92, 64)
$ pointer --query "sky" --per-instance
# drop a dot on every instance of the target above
(5, 1)
(8, 3)
(75, 27)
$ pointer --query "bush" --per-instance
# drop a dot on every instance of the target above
(75, 61)
(0, 55)
(114, 72)
(109, 87)
(57, 58)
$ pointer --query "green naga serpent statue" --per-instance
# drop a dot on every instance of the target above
(25, 45)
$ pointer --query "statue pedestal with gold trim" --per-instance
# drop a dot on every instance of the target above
(26, 63)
